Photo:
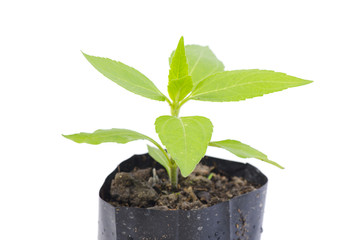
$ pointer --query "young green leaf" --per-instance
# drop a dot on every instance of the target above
(242, 150)
(180, 83)
(185, 138)
(179, 66)
(202, 62)
(108, 135)
(178, 89)
(127, 77)
(160, 157)
(242, 84)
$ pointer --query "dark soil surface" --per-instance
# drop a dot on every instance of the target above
(148, 188)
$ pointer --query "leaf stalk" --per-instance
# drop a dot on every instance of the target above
(162, 150)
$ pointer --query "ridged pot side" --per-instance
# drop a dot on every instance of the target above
(239, 218)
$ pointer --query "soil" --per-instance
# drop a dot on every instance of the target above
(148, 188)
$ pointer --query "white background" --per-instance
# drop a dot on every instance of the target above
(49, 185)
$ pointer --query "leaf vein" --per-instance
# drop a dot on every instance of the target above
(230, 87)
(197, 62)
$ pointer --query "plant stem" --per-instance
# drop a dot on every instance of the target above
(175, 109)
(176, 106)
(174, 175)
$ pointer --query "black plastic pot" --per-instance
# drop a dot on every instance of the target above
(239, 218)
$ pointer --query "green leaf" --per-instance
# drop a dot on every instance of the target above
(242, 84)
(202, 62)
(109, 135)
(178, 89)
(127, 77)
(179, 67)
(242, 150)
(180, 83)
(160, 157)
(185, 138)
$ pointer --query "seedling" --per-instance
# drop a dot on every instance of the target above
(195, 74)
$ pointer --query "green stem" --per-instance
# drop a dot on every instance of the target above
(174, 175)
(175, 109)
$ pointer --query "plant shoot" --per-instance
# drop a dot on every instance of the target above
(195, 75)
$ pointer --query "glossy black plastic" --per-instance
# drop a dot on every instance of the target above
(238, 218)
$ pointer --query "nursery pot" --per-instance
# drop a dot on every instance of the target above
(239, 218)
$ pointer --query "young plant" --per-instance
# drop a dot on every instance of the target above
(195, 74)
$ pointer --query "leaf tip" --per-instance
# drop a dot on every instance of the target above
(66, 136)
(274, 163)
(308, 81)
(84, 54)
(181, 42)
(304, 81)
(185, 173)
